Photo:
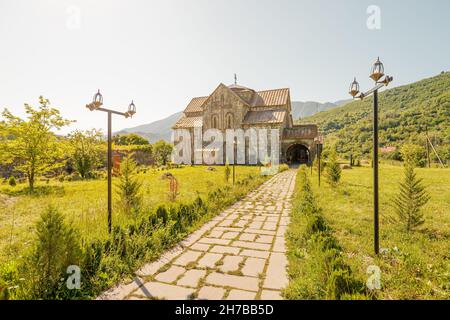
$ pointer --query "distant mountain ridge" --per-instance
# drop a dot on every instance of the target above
(301, 109)
(155, 131)
(161, 129)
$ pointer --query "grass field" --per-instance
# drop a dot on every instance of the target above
(84, 203)
(416, 265)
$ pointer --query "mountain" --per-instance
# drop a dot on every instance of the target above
(404, 112)
(160, 130)
(155, 131)
(305, 109)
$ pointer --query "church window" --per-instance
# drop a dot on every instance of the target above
(229, 121)
(215, 122)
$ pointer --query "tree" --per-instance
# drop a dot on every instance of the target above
(333, 169)
(161, 152)
(31, 144)
(130, 139)
(56, 248)
(129, 187)
(413, 155)
(411, 198)
(86, 151)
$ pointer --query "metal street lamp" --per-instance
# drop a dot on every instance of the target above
(234, 160)
(319, 143)
(96, 104)
(376, 75)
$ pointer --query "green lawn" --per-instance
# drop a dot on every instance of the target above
(85, 202)
(418, 264)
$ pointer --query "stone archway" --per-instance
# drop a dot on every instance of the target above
(298, 154)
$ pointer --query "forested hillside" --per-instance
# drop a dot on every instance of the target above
(405, 112)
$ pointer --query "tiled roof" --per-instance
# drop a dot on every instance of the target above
(265, 116)
(266, 98)
(196, 104)
(188, 122)
(276, 97)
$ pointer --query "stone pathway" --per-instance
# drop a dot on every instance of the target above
(239, 254)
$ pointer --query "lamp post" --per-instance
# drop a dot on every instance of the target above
(234, 160)
(380, 80)
(97, 104)
(319, 142)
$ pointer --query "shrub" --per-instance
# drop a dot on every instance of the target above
(12, 181)
(333, 169)
(283, 167)
(56, 248)
(129, 187)
(341, 283)
(9, 278)
(315, 223)
(161, 152)
(162, 214)
(413, 154)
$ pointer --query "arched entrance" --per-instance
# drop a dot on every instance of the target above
(297, 154)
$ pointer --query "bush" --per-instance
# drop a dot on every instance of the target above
(9, 278)
(12, 181)
(333, 169)
(56, 248)
(413, 155)
(129, 188)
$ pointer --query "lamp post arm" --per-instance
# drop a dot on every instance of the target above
(371, 91)
(378, 86)
(112, 111)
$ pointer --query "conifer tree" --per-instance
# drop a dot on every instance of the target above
(333, 170)
(411, 198)
(129, 187)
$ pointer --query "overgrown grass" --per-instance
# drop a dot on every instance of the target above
(317, 268)
(413, 265)
(106, 260)
(84, 203)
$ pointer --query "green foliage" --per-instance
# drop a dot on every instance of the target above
(413, 155)
(404, 113)
(413, 265)
(161, 152)
(227, 172)
(129, 139)
(283, 167)
(12, 181)
(31, 145)
(333, 169)
(108, 259)
(316, 265)
(411, 198)
(129, 187)
(9, 278)
(86, 150)
(56, 248)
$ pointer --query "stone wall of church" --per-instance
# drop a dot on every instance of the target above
(223, 104)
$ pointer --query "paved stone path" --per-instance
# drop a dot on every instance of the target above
(239, 254)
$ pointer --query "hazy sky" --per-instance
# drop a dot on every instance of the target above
(163, 53)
